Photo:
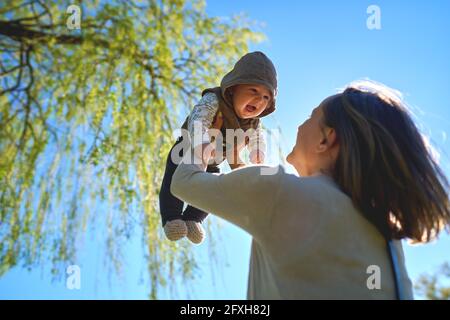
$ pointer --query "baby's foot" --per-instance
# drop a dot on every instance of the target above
(175, 229)
(195, 231)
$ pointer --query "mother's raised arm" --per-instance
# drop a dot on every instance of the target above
(244, 197)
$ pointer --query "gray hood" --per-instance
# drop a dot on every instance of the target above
(252, 68)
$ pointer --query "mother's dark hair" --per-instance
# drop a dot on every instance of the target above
(384, 164)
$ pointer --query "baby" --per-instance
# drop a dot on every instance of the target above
(246, 94)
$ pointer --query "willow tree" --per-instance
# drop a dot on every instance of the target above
(86, 121)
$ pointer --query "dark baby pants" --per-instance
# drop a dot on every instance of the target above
(171, 207)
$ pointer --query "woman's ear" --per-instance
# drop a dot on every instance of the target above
(328, 140)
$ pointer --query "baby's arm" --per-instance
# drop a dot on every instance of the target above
(257, 146)
(200, 121)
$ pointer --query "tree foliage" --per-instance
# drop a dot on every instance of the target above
(86, 122)
(432, 286)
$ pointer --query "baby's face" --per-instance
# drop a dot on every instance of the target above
(250, 100)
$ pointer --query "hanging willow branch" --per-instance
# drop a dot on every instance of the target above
(86, 120)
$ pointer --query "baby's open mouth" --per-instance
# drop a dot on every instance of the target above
(250, 108)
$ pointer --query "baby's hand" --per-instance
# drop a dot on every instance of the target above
(257, 157)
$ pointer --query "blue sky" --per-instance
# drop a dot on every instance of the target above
(317, 47)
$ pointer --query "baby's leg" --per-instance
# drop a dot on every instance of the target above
(170, 206)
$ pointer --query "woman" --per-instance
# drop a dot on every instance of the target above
(368, 180)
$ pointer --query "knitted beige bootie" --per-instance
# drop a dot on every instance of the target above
(175, 229)
(195, 232)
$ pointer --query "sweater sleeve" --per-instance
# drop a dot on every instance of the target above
(201, 118)
(245, 197)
